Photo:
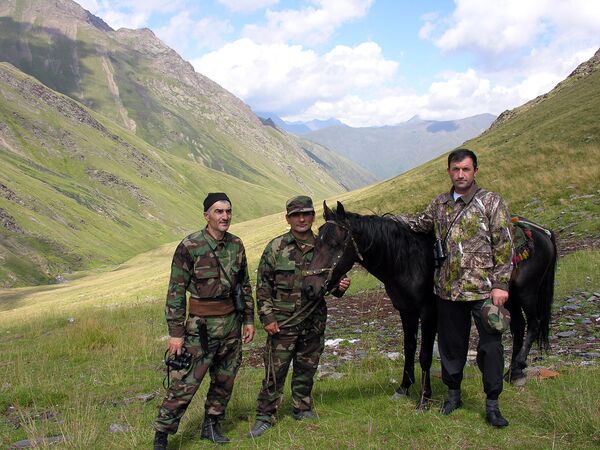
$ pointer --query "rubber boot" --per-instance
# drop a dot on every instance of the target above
(453, 402)
(493, 416)
(210, 431)
(160, 440)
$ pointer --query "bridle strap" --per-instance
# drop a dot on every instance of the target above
(329, 270)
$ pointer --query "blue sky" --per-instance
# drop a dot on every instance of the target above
(372, 62)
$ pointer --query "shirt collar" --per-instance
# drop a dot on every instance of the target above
(292, 239)
(466, 198)
(213, 242)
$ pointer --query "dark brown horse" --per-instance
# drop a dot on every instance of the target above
(403, 261)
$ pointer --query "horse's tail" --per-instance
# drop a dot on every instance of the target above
(546, 296)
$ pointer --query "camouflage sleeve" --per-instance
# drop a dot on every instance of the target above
(336, 292)
(175, 309)
(249, 311)
(502, 249)
(422, 222)
(265, 286)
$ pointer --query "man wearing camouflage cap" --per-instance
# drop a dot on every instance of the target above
(295, 325)
(208, 264)
(473, 232)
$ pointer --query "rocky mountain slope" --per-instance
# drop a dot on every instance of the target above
(110, 144)
(390, 150)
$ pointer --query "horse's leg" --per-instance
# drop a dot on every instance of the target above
(428, 332)
(519, 362)
(410, 326)
(517, 329)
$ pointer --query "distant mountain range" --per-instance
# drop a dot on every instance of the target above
(296, 127)
(390, 150)
(543, 157)
(109, 140)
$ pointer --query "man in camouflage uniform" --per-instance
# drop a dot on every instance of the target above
(213, 330)
(295, 325)
(474, 228)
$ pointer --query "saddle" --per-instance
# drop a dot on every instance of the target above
(522, 240)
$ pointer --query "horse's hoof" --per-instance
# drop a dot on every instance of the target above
(400, 393)
(520, 381)
(515, 378)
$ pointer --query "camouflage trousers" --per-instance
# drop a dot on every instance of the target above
(222, 362)
(301, 345)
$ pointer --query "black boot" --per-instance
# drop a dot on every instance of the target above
(493, 416)
(160, 440)
(210, 431)
(453, 402)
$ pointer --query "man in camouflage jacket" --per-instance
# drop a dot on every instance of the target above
(473, 226)
(205, 264)
(295, 325)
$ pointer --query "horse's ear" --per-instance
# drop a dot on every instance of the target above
(328, 214)
(340, 211)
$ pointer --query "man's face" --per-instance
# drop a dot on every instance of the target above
(462, 173)
(218, 216)
(301, 222)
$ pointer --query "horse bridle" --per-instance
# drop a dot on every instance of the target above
(349, 239)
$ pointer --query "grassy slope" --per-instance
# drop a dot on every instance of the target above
(127, 78)
(545, 162)
(85, 368)
(79, 350)
(70, 217)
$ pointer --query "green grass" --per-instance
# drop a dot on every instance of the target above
(83, 351)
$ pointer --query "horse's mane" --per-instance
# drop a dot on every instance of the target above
(391, 240)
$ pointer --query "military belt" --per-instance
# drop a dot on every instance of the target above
(211, 306)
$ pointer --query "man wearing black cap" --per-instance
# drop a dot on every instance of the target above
(208, 264)
(296, 326)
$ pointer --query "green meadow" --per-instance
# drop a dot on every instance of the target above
(77, 355)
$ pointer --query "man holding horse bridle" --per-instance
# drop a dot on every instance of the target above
(294, 323)
(473, 258)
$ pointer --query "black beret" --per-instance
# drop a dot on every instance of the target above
(214, 197)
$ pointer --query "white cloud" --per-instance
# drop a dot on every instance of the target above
(247, 5)
(183, 31)
(505, 26)
(275, 77)
(312, 25)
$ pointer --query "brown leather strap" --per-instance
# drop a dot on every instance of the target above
(211, 307)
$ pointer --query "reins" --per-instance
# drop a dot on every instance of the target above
(270, 369)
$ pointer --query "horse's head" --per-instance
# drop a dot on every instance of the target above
(335, 253)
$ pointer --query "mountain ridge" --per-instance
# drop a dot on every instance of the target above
(389, 150)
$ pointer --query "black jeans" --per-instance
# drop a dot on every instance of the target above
(454, 329)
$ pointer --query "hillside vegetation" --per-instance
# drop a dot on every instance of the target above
(110, 144)
(544, 158)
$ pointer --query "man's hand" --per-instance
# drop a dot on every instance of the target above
(344, 284)
(499, 296)
(247, 333)
(175, 345)
(272, 328)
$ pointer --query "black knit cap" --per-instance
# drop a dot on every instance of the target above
(214, 197)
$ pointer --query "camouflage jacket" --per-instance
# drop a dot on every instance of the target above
(194, 269)
(478, 245)
(279, 279)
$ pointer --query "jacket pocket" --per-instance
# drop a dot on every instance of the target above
(208, 282)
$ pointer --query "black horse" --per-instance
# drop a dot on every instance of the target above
(403, 261)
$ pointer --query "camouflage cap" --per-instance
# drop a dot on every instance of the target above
(495, 319)
(298, 204)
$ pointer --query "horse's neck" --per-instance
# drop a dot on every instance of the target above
(372, 250)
